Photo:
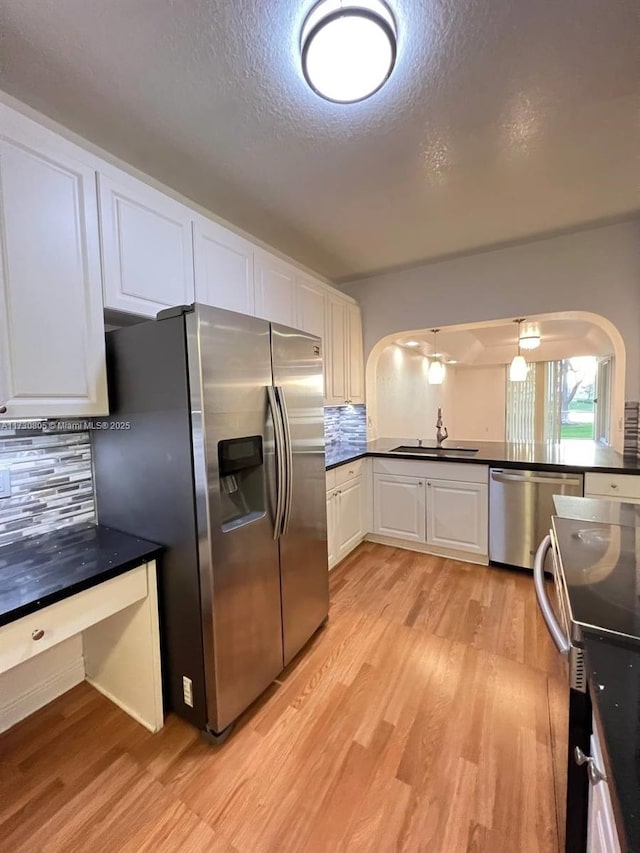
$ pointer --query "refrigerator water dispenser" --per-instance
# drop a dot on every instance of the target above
(242, 484)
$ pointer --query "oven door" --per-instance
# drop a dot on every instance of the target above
(559, 626)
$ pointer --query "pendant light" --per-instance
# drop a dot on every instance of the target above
(519, 368)
(435, 375)
(348, 48)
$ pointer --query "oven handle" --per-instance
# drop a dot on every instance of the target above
(553, 626)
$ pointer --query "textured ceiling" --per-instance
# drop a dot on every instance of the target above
(502, 119)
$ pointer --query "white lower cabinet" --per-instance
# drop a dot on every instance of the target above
(399, 507)
(350, 512)
(602, 836)
(434, 507)
(345, 513)
(457, 516)
(332, 527)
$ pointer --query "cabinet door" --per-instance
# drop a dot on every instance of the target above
(602, 836)
(355, 360)
(336, 350)
(332, 528)
(52, 361)
(275, 288)
(350, 514)
(223, 263)
(310, 306)
(399, 507)
(457, 515)
(147, 248)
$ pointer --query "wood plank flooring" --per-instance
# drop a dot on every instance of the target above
(427, 716)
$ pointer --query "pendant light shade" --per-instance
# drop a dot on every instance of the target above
(519, 368)
(435, 376)
(436, 373)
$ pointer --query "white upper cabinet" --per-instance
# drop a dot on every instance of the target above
(52, 360)
(223, 263)
(311, 298)
(336, 350)
(355, 362)
(344, 365)
(147, 249)
(275, 288)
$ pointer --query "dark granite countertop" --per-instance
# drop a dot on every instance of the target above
(40, 570)
(574, 455)
(613, 669)
(594, 509)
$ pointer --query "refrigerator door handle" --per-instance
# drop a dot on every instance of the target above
(278, 434)
(289, 459)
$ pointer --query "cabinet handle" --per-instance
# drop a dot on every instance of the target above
(595, 774)
(38, 634)
(614, 485)
(3, 410)
(420, 483)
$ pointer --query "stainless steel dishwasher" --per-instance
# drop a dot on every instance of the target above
(520, 510)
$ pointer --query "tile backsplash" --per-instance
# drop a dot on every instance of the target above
(345, 425)
(51, 483)
(632, 429)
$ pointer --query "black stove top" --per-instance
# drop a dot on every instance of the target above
(600, 563)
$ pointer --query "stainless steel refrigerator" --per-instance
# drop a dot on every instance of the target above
(215, 448)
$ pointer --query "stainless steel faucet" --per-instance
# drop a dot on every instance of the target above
(441, 434)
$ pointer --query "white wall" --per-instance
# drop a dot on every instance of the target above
(596, 270)
(479, 403)
(406, 405)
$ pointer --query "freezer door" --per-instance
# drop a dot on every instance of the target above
(298, 381)
(235, 476)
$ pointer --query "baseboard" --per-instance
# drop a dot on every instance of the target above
(45, 691)
(423, 548)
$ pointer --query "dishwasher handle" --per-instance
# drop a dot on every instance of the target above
(562, 643)
(501, 477)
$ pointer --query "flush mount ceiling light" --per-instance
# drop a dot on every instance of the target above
(530, 342)
(412, 344)
(519, 368)
(529, 336)
(435, 375)
(348, 48)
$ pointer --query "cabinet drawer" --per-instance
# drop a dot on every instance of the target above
(62, 620)
(331, 479)
(613, 485)
(348, 472)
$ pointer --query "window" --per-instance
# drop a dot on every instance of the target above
(564, 400)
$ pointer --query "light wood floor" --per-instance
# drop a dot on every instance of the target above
(426, 716)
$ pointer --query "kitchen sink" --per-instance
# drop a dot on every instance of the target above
(452, 450)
